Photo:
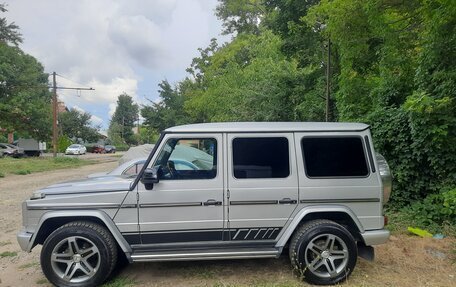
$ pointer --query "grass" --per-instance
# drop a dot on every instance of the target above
(29, 265)
(8, 254)
(120, 282)
(41, 281)
(400, 220)
(3, 243)
(24, 166)
(2, 174)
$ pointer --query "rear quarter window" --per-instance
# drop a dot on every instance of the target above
(328, 157)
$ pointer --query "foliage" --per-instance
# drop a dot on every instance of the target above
(25, 102)
(251, 80)
(9, 33)
(240, 16)
(123, 121)
(63, 142)
(168, 112)
(435, 209)
(77, 125)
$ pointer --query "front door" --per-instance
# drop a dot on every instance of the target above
(262, 185)
(186, 205)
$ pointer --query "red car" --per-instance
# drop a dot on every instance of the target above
(99, 149)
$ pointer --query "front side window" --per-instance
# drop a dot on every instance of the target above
(262, 157)
(334, 157)
(187, 159)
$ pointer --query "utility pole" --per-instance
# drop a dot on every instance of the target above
(54, 109)
(54, 114)
(328, 77)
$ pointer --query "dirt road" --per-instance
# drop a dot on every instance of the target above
(404, 261)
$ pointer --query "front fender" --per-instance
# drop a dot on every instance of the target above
(78, 215)
(316, 209)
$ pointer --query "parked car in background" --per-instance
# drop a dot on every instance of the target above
(133, 167)
(11, 150)
(76, 149)
(110, 149)
(98, 149)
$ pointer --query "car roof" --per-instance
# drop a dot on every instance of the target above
(267, 127)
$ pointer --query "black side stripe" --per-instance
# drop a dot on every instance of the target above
(253, 202)
(345, 200)
(171, 204)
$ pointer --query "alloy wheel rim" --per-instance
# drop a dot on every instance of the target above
(75, 259)
(326, 255)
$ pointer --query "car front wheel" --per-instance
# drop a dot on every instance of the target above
(323, 252)
(79, 254)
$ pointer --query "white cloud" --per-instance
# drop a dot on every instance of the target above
(113, 46)
(96, 121)
(112, 109)
(79, 109)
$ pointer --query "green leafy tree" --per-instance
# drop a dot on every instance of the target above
(25, 101)
(77, 125)
(168, 112)
(240, 16)
(251, 79)
(123, 119)
(9, 32)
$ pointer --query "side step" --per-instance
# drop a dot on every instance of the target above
(205, 255)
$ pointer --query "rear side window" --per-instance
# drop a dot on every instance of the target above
(334, 157)
(262, 157)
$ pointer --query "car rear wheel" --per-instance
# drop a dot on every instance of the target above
(79, 254)
(323, 252)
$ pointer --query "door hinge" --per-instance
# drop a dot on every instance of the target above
(137, 197)
(228, 193)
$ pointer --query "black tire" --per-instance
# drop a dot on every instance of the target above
(323, 252)
(74, 243)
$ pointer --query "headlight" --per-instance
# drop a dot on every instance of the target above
(37, 195)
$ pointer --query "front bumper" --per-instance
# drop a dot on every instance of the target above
(375, 237)
(24, 237)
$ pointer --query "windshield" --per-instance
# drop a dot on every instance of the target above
(74, 146)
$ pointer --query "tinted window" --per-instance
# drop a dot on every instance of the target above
(334, 156)
(188, 159)
(261, 157)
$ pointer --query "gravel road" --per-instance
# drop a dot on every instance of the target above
(404, 261)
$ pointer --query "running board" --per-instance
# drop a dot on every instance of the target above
(205, 255)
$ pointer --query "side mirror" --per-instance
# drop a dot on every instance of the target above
(149, 177)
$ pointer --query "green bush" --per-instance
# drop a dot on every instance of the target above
(62, 143)
(122, 147)
(435, 209)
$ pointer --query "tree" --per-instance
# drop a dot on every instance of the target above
(250, 79)
(77, 125)
(25, 100)
(124, 117)
(168, 112)
(9, 33)
(240, 16)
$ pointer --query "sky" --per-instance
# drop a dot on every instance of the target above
(114, 46)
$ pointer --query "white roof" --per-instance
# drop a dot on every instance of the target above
(267, 127)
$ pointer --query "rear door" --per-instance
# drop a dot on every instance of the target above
(262, 184)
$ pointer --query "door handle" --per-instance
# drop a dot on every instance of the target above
(212, 202)
(287, 201)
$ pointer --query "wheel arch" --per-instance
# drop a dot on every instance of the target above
(52, 220)
(337, 213)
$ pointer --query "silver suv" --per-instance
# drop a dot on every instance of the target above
(221, 191)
